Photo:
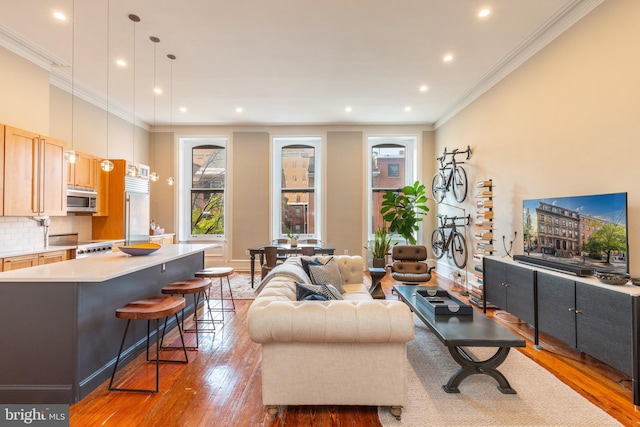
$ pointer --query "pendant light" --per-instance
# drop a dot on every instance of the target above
(170, 180)
(70, 155)
(132, 170)
(106, 164)
(154, 175)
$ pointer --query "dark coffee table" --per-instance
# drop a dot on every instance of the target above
(471, 330)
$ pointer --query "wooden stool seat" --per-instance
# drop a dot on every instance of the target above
(214, 272)
(156, 307)
(219, 272)
(152, 308)
(187, 286)
(196, 287)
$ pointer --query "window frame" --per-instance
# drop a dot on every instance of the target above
(185, 147)
(278, 143)
(410, 142)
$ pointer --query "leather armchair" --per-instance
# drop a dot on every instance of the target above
(408, 264)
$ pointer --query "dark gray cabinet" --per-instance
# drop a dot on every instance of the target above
(592, 319)
(511, 288)
(556, 307)
(604, 325)
(598, 320)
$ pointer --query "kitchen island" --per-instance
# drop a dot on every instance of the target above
(60, 334)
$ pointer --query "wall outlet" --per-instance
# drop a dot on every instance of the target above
(346, 251)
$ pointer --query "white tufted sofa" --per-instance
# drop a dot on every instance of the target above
(350, 352)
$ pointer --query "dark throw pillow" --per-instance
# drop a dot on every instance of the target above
(327, 274)
(306, 262)
(305, 292)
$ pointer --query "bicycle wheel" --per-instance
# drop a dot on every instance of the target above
(437, 243)
(459, 250)
(459, 184)
(438, 187)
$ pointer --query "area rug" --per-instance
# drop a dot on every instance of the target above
(541, 399)
(240, 286)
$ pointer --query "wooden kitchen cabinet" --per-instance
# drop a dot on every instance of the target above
(163, 239)
(51, 257)
(2, 127)
(102, 187)
(82, 173)
(35, 184)
(18, 262)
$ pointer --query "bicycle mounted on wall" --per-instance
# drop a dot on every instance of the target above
(452, 242)
(450, 176)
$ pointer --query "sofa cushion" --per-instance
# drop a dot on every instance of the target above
(327, 274)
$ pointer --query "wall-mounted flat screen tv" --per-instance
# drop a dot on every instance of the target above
(582, 231)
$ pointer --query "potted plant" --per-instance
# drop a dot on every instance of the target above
(380, 247)
(293, 238)
(403, 210)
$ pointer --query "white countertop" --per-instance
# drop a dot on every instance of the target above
(101, 267)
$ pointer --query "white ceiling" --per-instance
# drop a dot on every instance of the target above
(284, 61)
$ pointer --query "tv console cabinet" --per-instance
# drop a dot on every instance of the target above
(597, 319)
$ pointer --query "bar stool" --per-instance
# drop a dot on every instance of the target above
(220, 272)
(197, 287)
(156, 307)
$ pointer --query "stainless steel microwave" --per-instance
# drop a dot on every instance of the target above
(81, 200)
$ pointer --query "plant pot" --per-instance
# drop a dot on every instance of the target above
(378, 263)
(294, 243)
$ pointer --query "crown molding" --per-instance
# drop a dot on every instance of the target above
(17, 44)
(545, 34)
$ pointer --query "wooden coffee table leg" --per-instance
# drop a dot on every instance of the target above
(470, 366)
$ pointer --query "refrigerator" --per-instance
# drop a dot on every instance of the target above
(136, 211)
(128, 208)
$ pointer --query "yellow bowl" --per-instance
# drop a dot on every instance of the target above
(140, 249)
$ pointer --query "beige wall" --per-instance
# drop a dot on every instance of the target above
(24, 89)
(565, 123)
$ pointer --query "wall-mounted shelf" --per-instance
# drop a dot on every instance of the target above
(484, 240)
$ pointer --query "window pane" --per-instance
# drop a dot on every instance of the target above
(297, 190)
(388, 165)
(207, 212)
(208, 170)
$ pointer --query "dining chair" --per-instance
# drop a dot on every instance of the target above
(270, 259)
(308, 250)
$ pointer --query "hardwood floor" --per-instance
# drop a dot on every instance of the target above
(220, 386)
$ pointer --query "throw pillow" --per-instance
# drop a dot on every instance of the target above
(327, 274)
(306, 291)
(306, 262)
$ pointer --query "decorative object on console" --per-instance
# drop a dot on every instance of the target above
(403, 210)
(613, 277)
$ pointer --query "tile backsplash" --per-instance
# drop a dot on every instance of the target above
(23, 233)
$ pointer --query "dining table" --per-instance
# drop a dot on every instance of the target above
(287, 250)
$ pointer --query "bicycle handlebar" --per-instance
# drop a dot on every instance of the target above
(455, 152)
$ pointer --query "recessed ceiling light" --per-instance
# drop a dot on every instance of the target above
(484, 12)
(121, 62)
(348, 109)
(59, 15)
(238, 109)
(157, 90)
(447, 58)
(407, 108)
(424, 88)
(183, 109)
